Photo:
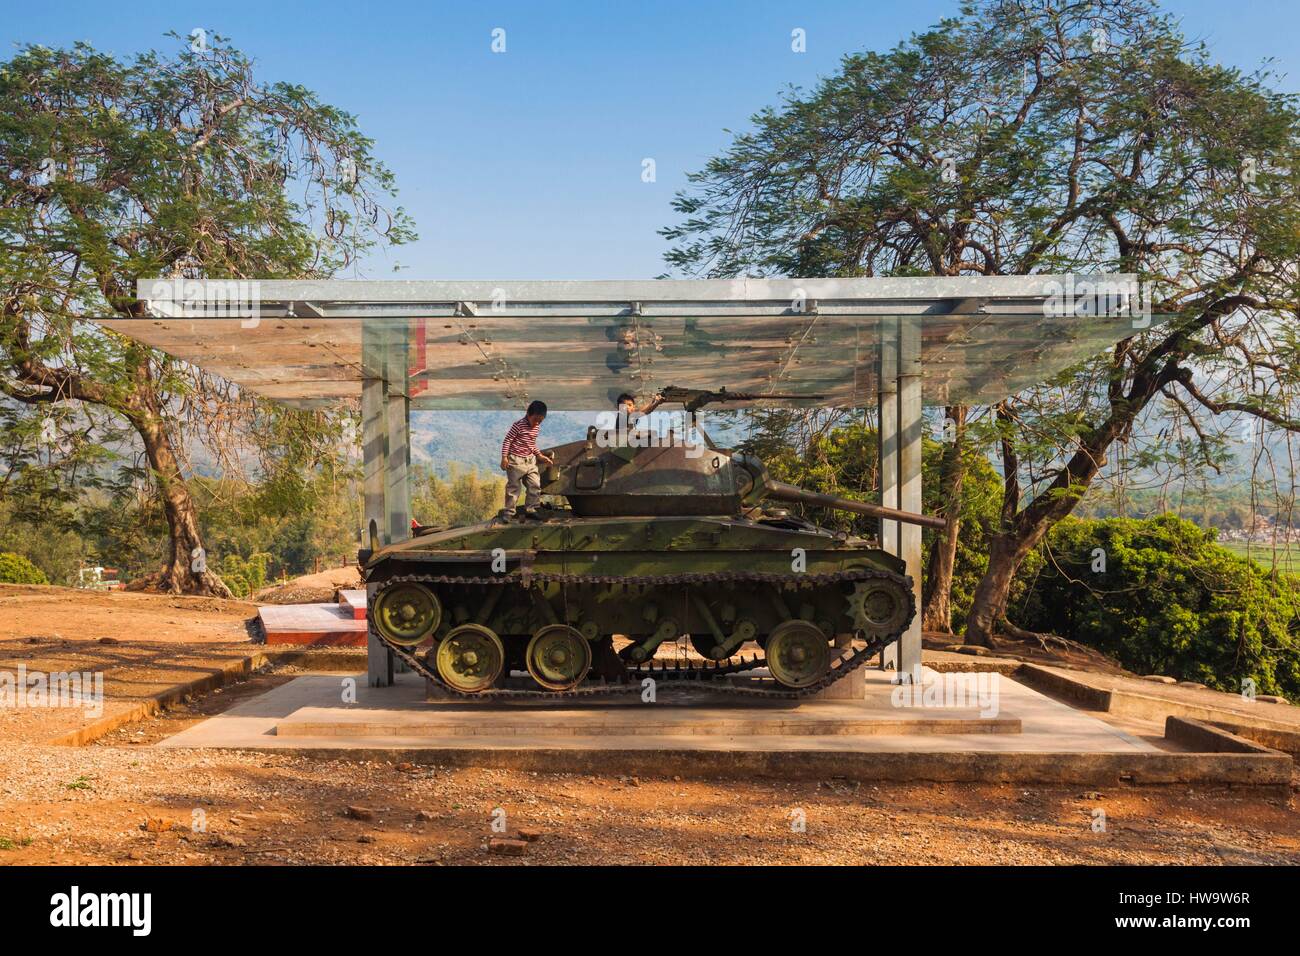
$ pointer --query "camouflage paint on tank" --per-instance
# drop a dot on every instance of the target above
(651, 546)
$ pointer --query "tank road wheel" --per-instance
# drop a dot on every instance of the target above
(878, 608)
(470, 658)
(706, 645)
(558, 657)
(407, 613)
(798, 654)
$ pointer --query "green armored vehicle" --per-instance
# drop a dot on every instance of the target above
(664, 537)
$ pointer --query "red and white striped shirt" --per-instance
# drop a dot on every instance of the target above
(521, 440)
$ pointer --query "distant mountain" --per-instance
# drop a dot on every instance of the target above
(473, 439)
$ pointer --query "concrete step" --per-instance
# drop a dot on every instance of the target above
(813, 720)
(316, 625)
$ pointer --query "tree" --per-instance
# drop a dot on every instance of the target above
(835, 453)
(1028, 137)
(1162, 597)
(465, 496)
(181, 166)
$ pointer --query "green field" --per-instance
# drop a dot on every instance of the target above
(1286, 557)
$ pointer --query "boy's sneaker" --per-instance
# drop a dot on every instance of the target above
(530, 514)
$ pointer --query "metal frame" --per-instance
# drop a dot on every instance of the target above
(484, 345)
(386, 444)
(956, 310)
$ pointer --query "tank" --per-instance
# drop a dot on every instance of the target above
(645, 544)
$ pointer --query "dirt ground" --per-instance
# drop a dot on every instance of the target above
(310, 588)
(120, 801)
(142, 644)
(125, 805)
(77, 615)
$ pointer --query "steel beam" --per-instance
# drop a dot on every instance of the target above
(374, 445)
(397, 409)
(902, 295)
(887, 445)
(910, 428)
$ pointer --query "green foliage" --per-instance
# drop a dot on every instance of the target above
(121, 524)
(15, 569)
(980, 499)
(176, 165)
(1169, 601)
(245, 575)
(837, 455)
(463, 497)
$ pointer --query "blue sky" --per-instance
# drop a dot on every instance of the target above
(528, 164)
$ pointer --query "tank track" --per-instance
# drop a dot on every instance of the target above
(706, 671)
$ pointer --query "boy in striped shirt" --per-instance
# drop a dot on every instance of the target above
(519, 455)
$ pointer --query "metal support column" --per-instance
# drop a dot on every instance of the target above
(374, 444)
(397, 467)
(887, 407)
(397, 409)
(887, 445)
(910, 428)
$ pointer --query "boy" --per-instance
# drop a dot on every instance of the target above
(626, 406)
(519, 456)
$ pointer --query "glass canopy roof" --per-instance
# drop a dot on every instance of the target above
(577, 345)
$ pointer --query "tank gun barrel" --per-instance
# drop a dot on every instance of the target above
(785, 492)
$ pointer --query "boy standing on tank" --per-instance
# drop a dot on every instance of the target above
(519, 456)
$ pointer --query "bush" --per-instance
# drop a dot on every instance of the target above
(1162, 597)
(15, 569)
(244, 575)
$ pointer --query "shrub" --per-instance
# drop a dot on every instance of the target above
(15, 569)
(1162, 597)
(244, 575)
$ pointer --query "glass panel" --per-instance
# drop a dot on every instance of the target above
(975, 352)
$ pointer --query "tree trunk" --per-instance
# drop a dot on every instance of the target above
(989, 605)
(937, 614)
(186, 571)
(1021, 531)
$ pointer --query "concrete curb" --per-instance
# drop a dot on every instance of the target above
(313, 658)
(156, 703)
(1287, 741)
(1273, 735)
(1207, 738)
(1058, 685)
(1255, 770)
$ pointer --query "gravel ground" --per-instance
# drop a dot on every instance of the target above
(141, 805)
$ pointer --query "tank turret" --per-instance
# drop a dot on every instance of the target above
(622, 470)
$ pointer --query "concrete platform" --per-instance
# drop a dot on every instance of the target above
(314, 625)
(354, 602)
(309, 712)
(632, 720)
(877, 738)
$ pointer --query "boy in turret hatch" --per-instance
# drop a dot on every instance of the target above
(519, 456)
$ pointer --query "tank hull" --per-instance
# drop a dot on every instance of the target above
(597, 604)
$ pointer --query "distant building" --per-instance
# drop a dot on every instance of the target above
(99, 579)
